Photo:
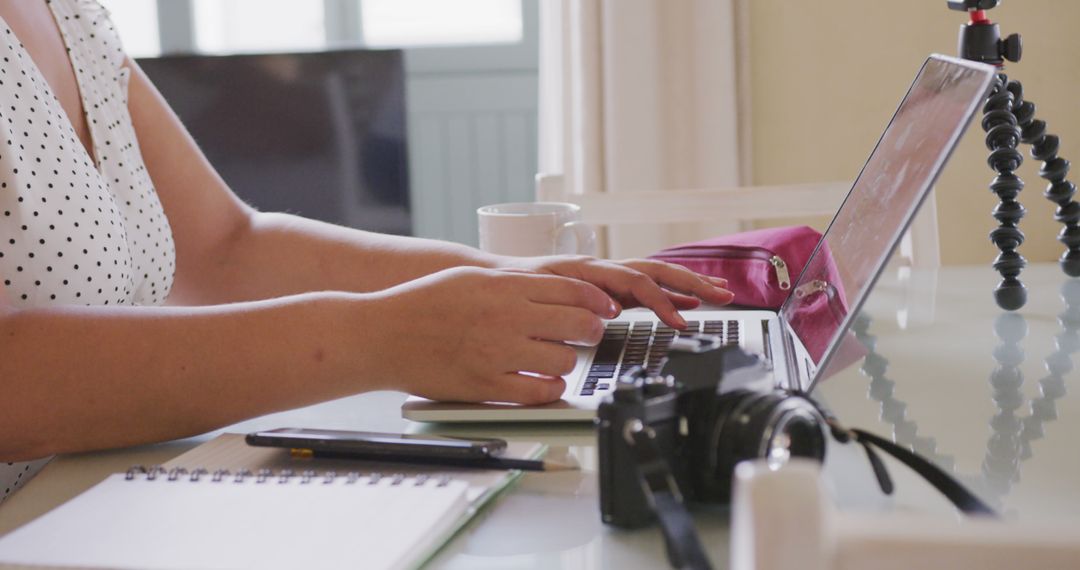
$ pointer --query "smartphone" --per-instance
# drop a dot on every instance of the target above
(363, 444)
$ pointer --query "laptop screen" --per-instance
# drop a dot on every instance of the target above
(878, 209)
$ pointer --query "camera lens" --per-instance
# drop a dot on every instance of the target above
(796, 434)
(741, 425)
(779, 451)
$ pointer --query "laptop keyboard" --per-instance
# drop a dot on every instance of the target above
(643, 343)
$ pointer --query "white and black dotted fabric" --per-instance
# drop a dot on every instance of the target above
(75, 229)
(15, 475)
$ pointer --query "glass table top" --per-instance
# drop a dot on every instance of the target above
(984, 393)
(938, 368)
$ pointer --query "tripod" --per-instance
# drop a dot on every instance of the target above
(1008, 120)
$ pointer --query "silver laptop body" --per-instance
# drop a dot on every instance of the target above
(861, 237)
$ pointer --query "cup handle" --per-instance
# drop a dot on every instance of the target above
(584, 238)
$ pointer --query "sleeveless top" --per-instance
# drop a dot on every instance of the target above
(75, 230)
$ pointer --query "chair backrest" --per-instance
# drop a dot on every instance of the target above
(735, 204)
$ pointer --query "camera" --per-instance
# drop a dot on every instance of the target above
(710, 407)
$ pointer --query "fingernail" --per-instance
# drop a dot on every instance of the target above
(557, 388)
(613, 309)
(680, 320)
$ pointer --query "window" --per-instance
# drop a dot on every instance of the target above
(258, 25)
(231, 26)
(137, 23)
(471, 79)
(408, 23)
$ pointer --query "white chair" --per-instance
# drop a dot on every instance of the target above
(737, 204)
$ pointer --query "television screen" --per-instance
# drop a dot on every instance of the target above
(318, 134)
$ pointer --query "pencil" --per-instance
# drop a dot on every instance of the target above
(527, 464)
(479, 463)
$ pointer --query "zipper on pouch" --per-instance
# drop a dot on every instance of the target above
(819, 286)
(783, 276)
(815, 286)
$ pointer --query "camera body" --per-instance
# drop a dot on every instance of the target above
(710, 408)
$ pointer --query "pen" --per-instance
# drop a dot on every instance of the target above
(479, 463)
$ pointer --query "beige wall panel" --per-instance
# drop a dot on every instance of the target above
(827, 76)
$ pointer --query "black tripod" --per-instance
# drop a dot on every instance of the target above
(1008, 120)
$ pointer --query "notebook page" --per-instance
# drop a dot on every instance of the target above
(277, 523)
(229, 451)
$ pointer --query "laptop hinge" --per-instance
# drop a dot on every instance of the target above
(794, 357)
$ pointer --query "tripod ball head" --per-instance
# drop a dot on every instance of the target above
(980, 40)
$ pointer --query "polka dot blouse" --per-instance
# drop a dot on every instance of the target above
(76, 228)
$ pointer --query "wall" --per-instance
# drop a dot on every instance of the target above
(827, 76)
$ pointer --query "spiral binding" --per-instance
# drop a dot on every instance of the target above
(283, 476)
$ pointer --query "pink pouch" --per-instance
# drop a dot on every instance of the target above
(760, 265)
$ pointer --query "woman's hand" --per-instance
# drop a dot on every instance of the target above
(663, 287)
(469, 334)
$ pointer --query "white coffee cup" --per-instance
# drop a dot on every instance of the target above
(535, 228)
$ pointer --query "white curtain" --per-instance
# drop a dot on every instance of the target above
(639, 95)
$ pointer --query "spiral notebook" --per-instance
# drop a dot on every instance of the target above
(263, 510)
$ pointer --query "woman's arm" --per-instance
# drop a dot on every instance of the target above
(83, 378)
(78, 378)
(228, 252)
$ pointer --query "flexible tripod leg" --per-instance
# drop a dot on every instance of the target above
(1044, 147)
(1002, 138)
(893, 411)
(1001, 464)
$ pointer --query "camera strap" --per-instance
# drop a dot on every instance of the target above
(947, 485)
(684, 549)
(953, 490)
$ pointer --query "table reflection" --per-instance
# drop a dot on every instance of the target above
(1011, 435)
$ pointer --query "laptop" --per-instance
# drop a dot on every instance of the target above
(796, 348)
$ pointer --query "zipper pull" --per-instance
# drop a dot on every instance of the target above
(782, 274)
(815, 286)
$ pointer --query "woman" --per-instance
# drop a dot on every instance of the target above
(109, 211)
